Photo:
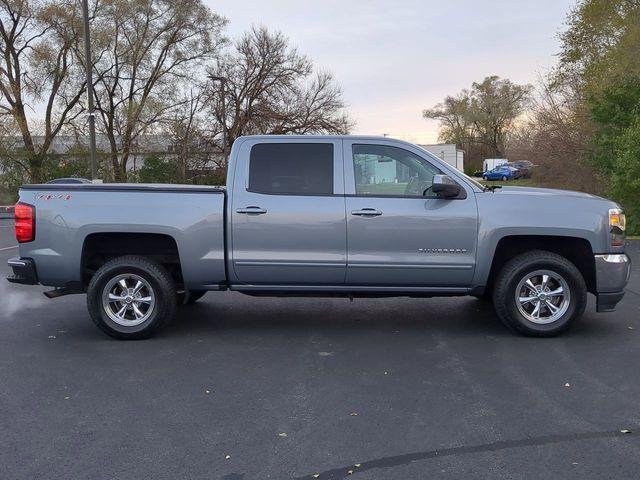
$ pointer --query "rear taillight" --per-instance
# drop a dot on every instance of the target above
(25, 226)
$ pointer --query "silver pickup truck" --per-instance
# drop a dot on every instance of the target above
(322, 215)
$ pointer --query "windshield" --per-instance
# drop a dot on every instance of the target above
(473, 180)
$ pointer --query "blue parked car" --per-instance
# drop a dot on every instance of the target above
(503, 172)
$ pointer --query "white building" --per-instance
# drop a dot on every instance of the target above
(448, 152)
(491, 163)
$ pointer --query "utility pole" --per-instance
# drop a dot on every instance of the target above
(89, 70)
(222, 81)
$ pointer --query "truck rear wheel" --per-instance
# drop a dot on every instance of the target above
(130, 297)
(539, 294)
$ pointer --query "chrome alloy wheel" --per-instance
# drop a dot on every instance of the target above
(128, 299)
(542, 296)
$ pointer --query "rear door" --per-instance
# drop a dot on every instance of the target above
(397, 235)
(288, 212)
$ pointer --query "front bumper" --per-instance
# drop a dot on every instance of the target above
(612, 275)
(24, 271)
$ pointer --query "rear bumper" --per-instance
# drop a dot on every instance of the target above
(612, 275)
(24, 271)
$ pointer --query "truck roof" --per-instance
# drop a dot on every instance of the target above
(327, 137)
(332, 137)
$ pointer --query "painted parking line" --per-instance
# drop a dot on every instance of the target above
(8, 248)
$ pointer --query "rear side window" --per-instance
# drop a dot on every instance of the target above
(291, 168)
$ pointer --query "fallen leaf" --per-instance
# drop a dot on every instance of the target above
(354, 414)
(357, 465)
(625, 431)
(386, 373)
(349, 472)
(282, 434)
(567, 384)
(315, 475)
(630, 327)
(67, 398)
(207, 392)
(227, 457)
(52, 336)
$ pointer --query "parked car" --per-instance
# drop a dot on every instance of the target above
(503, 172)
(322, 215)
(56, 181)
(524, 168)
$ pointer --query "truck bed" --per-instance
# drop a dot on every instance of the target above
(69, 215)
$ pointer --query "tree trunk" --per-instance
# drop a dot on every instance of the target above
(121, 171)
(35, 161)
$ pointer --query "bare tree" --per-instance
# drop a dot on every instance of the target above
(456, 122)
(38, 65)
(193, 150)
(556, 137)
(272, 89)
(144, 49)
(483, 115)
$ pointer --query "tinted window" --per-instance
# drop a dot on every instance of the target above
(381, 170)
(291, 168)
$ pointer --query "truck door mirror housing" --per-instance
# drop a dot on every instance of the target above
(445, 186)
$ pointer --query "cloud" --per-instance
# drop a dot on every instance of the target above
(393, 59)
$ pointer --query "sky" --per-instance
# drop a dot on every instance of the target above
(395, 58)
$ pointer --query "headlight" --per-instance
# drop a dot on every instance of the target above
(617, 226)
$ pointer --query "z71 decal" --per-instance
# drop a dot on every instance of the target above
(53, 196)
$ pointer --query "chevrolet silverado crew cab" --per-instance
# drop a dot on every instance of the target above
(322, 215)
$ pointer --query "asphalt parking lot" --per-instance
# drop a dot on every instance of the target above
(241, 388)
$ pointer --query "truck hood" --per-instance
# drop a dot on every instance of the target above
(531, 191)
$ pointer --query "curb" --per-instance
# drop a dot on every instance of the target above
(6, 211)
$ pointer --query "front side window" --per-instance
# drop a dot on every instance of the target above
(382, 170)
(291, 168)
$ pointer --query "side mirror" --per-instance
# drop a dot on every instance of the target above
(445, 186)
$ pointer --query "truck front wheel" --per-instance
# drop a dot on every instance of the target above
(539, 294)
(130, 297)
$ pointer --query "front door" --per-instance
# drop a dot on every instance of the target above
(398, 233)
(288, 213)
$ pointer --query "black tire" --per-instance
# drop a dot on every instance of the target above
(189, 297)
(159, 287)
(515, 271)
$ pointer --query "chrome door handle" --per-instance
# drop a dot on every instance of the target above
(252, 210)
(367, 212)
